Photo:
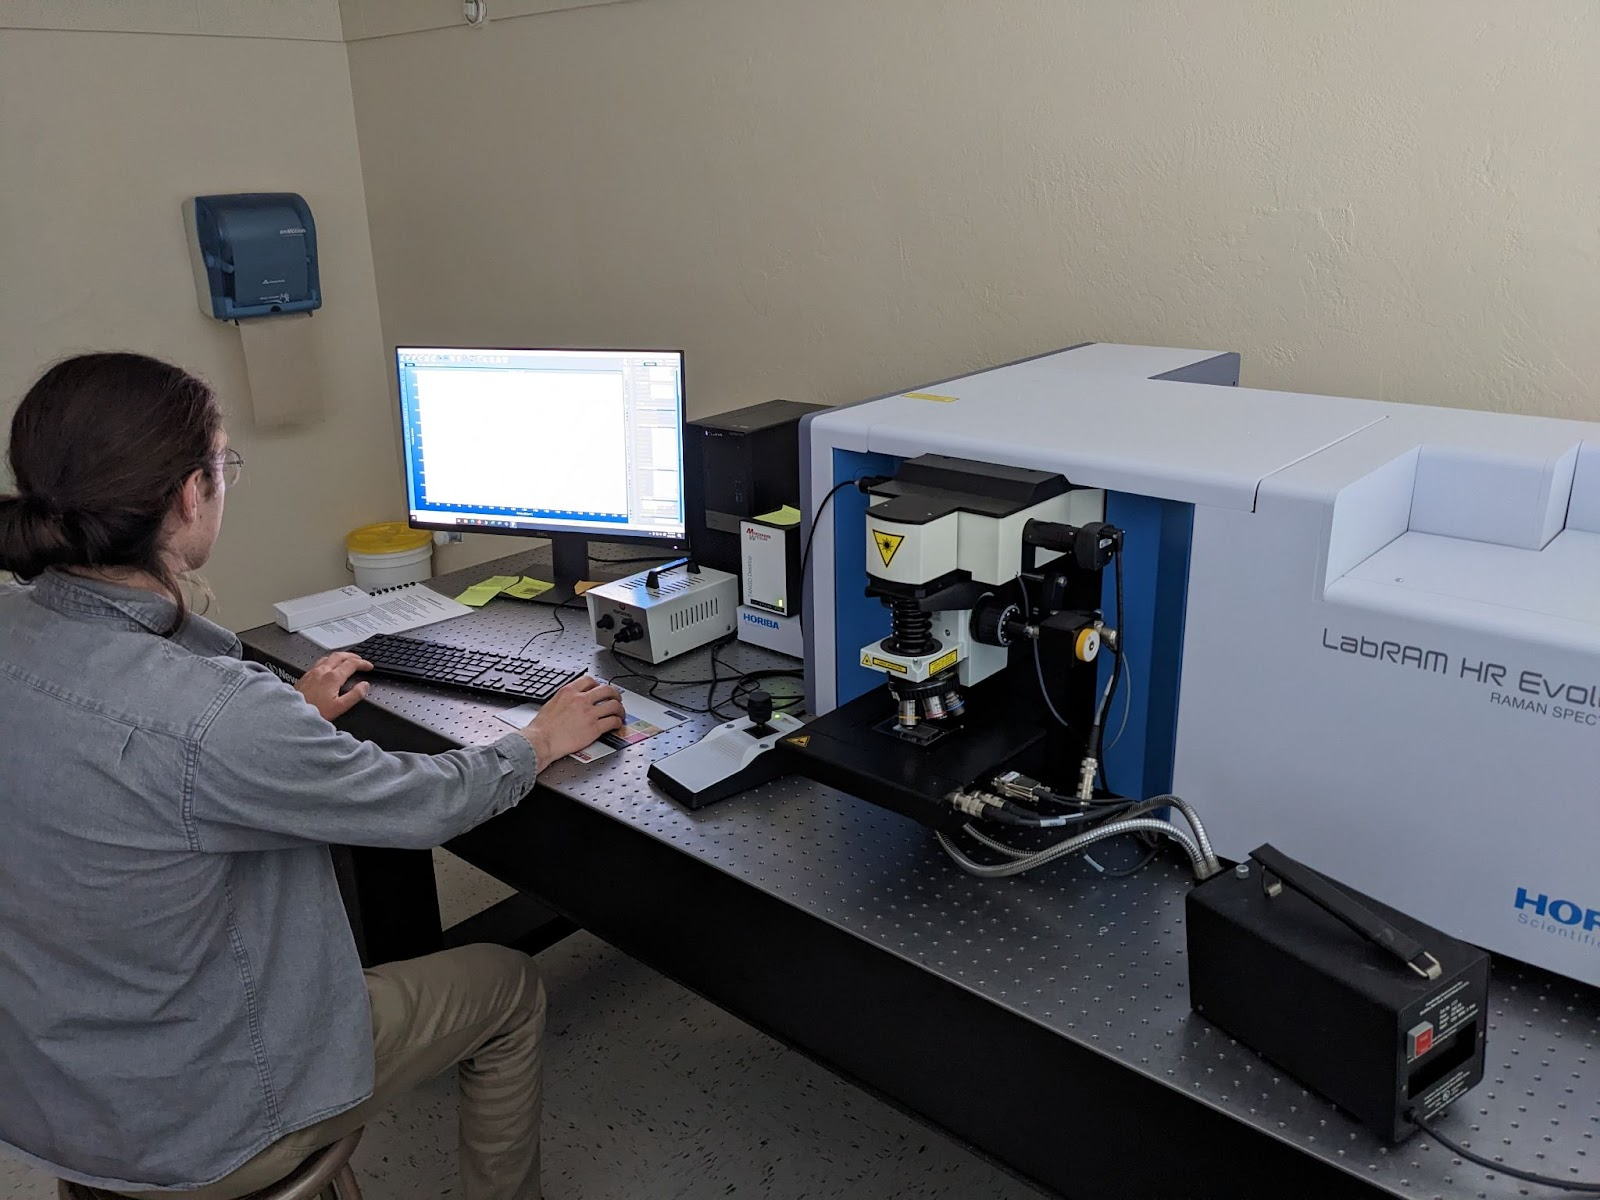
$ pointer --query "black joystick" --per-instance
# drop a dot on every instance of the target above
(758, 707)
(653, 580)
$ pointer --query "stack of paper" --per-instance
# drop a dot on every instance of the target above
(395, 610)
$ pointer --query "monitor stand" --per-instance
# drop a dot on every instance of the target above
(569, 566)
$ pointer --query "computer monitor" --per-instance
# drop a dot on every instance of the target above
(563, 444)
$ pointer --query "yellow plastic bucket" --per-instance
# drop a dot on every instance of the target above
(389, 554)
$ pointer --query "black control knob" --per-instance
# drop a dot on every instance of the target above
(653, 580)
(1094, 545)
(606, 622)
(992, 620)
(758, 707)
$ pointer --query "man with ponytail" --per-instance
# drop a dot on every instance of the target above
(181, 1006)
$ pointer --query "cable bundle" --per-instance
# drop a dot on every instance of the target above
(1110, 819)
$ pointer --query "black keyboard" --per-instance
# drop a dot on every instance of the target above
(482, 672)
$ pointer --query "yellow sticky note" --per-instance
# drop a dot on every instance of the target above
(528, 589)
(579, 589)
(480, 594)
(934, 396)
(787, 515)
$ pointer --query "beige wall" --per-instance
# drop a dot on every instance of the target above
(827, 199)
(104, 133)
(820, 199)
(385, 18)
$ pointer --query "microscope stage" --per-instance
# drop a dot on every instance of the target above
(856, 749)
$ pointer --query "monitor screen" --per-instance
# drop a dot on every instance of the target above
(544, 441)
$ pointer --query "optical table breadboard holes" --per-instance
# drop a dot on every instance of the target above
(1100, 961)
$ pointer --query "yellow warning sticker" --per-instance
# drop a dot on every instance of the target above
(885, 664)
(934, 396)
(802, 740)
(888, 544)
(943, 663)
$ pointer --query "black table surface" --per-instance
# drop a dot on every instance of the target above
(1095, 961)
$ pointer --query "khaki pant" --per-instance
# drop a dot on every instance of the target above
(480, 1006)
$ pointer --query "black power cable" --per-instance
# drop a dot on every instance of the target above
(742, 682)
(1098, 733)
(656, 682)
(816, 519)
(561, 626)
(1500, 1168)
(745, 683)
(1038, 662)
(863, 483)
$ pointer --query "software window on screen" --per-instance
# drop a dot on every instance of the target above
(583, 441)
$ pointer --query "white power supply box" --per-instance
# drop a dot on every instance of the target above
(682, 612)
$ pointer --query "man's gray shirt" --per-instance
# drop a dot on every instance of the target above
(178, 983)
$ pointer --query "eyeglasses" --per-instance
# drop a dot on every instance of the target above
(230, 463)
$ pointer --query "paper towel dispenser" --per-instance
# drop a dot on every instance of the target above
(254, 254)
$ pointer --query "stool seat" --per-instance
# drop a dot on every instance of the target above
(326, 1173)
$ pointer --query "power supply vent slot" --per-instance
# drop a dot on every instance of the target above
(694, 614)
(669, 587)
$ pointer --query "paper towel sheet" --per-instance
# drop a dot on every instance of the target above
(280, 364)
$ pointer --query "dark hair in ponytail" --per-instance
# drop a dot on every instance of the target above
(100, 448)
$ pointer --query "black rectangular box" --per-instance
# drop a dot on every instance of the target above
(1283, 976)
(739, 464)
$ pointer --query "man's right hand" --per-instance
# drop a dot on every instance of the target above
(575, 716)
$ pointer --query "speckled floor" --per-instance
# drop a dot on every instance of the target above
(654, 1094)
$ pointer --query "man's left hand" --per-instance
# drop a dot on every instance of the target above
(322, 683)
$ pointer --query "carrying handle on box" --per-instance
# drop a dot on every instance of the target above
(1280, 871)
